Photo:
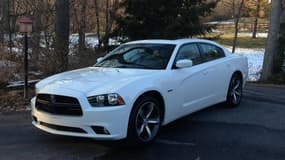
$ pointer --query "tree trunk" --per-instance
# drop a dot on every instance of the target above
(272, 40)
(107, 23)
(256, 19)
(82, 28)
(36, 37)
(279, 57)
(12, 16)
(237, 17)
(9, 27)
(61, 35)
(97, 23)
(113, 10)
(4, 21)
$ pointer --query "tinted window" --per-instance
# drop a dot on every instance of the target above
(211, 52)
(191, 52)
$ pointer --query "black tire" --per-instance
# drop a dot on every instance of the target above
(234, 95)
(145, 121)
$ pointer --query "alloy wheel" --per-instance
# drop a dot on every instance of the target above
(147, 121)
(236, 90)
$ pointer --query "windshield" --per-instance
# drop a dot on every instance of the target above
(146, 56)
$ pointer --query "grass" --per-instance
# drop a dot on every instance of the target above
(242, 41)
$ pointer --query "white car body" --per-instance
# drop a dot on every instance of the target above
(183, 91)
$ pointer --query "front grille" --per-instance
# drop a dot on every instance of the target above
(58, 105)
(63, 128)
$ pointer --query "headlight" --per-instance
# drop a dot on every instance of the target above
(112, 99)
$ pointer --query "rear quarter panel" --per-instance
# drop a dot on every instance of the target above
(239, 63)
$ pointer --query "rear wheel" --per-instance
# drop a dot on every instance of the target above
(145, 121)
(234, 95)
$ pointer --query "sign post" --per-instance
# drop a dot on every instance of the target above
(25, 24)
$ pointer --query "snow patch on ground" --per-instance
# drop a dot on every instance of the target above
(249, 34)
(91, 40)
(255, 61)
(245, 34)
(21, 83)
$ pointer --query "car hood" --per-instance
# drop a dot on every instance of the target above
(88, 79)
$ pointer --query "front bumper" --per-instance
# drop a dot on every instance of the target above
(113, 121)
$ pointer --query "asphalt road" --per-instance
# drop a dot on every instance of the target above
(254, 130)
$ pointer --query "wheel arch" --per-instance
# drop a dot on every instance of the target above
(156, 94)
(238, 72)
(131, 131)
(228, 101)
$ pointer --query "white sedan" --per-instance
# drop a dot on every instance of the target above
(138, 87)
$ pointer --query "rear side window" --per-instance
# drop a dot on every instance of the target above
(191, 52)
(211, 52)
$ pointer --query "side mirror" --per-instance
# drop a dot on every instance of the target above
(184, 63)
(99, 59)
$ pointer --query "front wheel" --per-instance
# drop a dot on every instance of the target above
(234, 95)
(145, 121)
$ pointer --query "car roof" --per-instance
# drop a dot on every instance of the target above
(175, 42)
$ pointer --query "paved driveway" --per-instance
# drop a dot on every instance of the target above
(254, 130)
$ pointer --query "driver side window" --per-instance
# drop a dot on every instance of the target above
(191, 52)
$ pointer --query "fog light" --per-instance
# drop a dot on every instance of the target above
(35, 119)
(100, 130)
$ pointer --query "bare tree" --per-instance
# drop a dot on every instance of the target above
(4, 18)
(272, 40)
(256, 19)
(113, 13)
(234, 7)
(107, 23)
(97, 22)
(36, 37)
(110, 12)
(9, 27)
(237, 17)
(61, 35)
(82, 27)
(256, 9)
(48, 23)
